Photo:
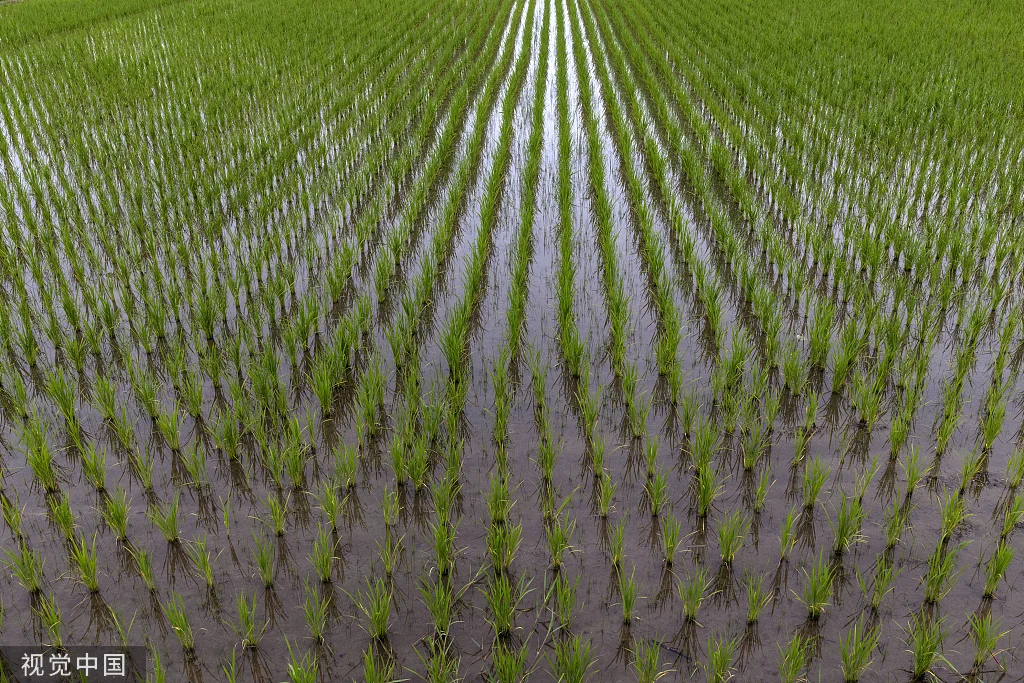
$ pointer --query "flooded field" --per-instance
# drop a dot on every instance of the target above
(573, 340)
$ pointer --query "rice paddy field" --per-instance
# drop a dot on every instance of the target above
(507, 340)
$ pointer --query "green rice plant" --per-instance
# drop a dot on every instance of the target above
(322, 557)
(996, 566)
(656, 490)
(757, 597)
(1015, 469)
(883, 582)
(794, 370)
(165, 518)
(174, 611)
(1013, 516)
(732, 531)
(984, 632)
(694, 592)
(302, 670)
(277, 513)
(315, 612)
(897, 519)
(391, 507)
(764, 484)
(49, 614)
(441, 600)
(25, 565)
(202, 559)
(817, 588)
(390, 553)
(646, 662)
(564, 600)
(502, 544)
(605, 494)
(941, 575)
(94, 467)
(263, 554)
(856, 648)
(63, 516)
(559, 535)
(628, 595)
(195, 465)
(144, 564)
(345, 465)
(169, 424)
(246, 629)
(709, 488)
(953, 512)
(115, 513)
(924, 637)
(617, 543)
(847, 528)
(13, 515)
(815, 476)
(40, 461)
(573, 660)
(671, 539)
(87, 562)
(503, 597)
(378, 669)
(375, 605)
(721, 658)
(331, 504)
(793, 660)
(787, 536)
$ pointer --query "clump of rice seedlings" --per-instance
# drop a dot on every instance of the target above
(390, 553)
(605, 494)
(202, 559)
(246, 629)
(62, 516)
(115, 513)
(503, 597)
(502, 543)
(953, 511)
(49, 614)
(646, 662)
(559, 535)
(322, 557)
(757, 597)
(817, 588)
(793, 660)
(391, 508)
(573, 659)
(656, 490)
(925, 636)
(708, 488)
(787, 536)
(564, 600)
(1014, 515)
(345, 464)
(693, 593)
(794, 370)
(277, 512)
(25, 565)
(628, 595)
(996, 566)
(378, 669)
(815, 476)
(732, 531)
(144, 564)
(941, 575)
(847, 527)
(174, 611)
(94, 466)
(375, 605)
(721, 658)
(195, 465)
(263, 554)
(169, 425)
(39, 457)
(671, 540)
(1015, 469)
(764, 484)
(984, 632)
(304, 670)
(882, 583)
(314, 611)
(855, 648)
(896, 521)
(166, 520)
(87, 563)
(13, 515)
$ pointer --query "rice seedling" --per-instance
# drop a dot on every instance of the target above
(941, 573)
(732, 532)
(793, 659)
(314, 611)
(246, 629)
(1013, 516)
(787, 536)
(646, 663)
(375, 606)
(721, 658)
(694, 592)
(87, 562)
(924, 637)
(817, 591)
(757, 597)
(815, 476)
(573, 660)
(985, 633)
(174, 612)
(26, 566)
(996, 566)
(263, 555)
(165, 519)
(856, 648)
(628, 595)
